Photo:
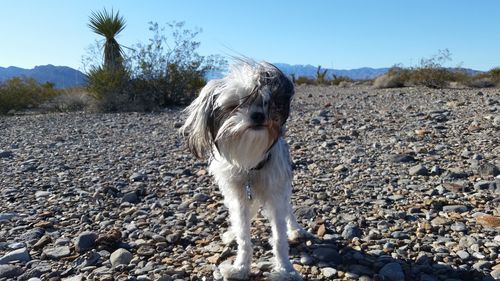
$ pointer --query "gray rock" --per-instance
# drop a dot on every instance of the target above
(57, 252)
(42, 193)
(78, 277)
(463, 255)
(6, 154)
(458, 226)
(200, 197)
(455, 208)
(419, 170)
(327, 255)
(120, 256)
(138, 177)
(400, 235)
(305, 213)
(131, 197)
(329, 272)
(402, 158)
(350, 231)
(85, 241)
(482, 185)
(21, 255)
(487, 170)
(481, 265)
(33, 234)
(392, 271)
(9, 271)
(7, 216)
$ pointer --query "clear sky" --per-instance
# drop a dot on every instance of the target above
(336, 34)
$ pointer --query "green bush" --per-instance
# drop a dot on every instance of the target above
(110, 88)
(24, 93)
(166, 71)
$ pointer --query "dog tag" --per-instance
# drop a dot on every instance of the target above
(248, 190)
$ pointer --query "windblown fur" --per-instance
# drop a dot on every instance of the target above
(238, 122)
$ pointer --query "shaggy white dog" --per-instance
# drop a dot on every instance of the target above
(238, 121)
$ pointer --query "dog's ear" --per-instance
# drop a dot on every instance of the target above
(198, 128)
(282, 91)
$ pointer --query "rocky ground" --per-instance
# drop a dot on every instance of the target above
(396, 184)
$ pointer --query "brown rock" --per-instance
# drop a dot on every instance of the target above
(489, 221)
(42, 242)
(321, 230)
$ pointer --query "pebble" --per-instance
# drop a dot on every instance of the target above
(57, 252)
(455, 208)
(392, 271)
(327, 255)
(419, 170)
(9, 271)
(21, 255)
(85, 241)
(351, 231)
(120, 256)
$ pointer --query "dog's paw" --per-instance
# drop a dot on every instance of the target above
(300, 234)
(230, 272)
(228, 237)
(283, 275)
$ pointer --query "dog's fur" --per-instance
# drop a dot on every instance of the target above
(238, 121)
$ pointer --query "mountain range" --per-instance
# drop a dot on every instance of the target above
(64, 77)
(60, 76)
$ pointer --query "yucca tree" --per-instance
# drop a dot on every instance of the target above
(109, 25)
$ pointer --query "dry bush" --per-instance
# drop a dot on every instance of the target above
(24, 93)
(72, 99)
(396, 77)
(481, 82)
(303, 80)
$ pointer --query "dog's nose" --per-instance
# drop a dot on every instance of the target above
(258, 117)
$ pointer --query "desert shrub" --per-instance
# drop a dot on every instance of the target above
(481, 82)
(430, 73)
(394, 78)
(169, 67)
(303, 80)
(110, 88)
(163, 72)
(430, 77)
(337, 80)
(494, 75)
(71, 99)
(24, 93)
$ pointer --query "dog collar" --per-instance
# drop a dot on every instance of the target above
(262, 163)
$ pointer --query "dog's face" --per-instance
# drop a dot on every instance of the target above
(241, 115)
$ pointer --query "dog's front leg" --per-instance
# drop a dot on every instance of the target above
(239, 213)
(276, 211)
(294, 230)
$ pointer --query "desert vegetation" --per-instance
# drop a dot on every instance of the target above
(167, 70)
(322, 78)
(432, 73)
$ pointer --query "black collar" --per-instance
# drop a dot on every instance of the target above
(262, 163)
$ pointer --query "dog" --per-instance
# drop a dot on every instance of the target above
(239, 122)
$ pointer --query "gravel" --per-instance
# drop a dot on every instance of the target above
(401, 184)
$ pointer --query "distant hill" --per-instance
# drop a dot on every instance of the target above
(61, 76)
(310, 71)
(64, 77)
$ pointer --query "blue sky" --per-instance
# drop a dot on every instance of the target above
(339, 34)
